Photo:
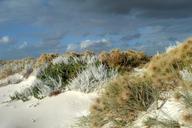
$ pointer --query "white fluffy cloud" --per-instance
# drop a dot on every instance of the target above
(72, 47)
(90, 44)
(94, 44)
(5, 40)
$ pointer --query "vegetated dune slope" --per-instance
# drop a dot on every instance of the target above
(59, 111)
(104, 88)
(157, 96)
(64, 109)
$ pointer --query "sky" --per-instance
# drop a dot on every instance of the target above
(33, 27)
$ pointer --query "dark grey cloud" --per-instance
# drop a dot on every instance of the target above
(147, 8)
(66, 12)
(142, 24)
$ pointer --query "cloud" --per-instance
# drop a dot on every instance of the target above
(23, 45)
(49, 24)
(64, 11)
(88, 44)
(72, 47)
(5, 40)
(150, 8)
(95, 45)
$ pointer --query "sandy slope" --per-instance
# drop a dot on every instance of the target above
(52, 112)
(8, 90)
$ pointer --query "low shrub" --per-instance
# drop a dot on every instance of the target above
(124, 61)
(92, 78)
(62, 70)
(122, 100)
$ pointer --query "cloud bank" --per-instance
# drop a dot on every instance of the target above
(51, 26)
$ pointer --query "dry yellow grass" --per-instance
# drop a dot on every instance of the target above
(164, 68)
(123, 60)
(122, 100)
(45, 58)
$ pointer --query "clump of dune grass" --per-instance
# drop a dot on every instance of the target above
(164, 123)
(123, 60)
(121, 101)
(92, 78)
(74, 70)
(64, 71)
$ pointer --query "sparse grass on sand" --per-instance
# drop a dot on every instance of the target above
(128, 95)
(22, 66)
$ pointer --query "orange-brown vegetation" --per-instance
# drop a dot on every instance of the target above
(123, 60)
(122, 100)
(46, 58)
(164, 68)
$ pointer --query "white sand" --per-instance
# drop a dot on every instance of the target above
(52, 112)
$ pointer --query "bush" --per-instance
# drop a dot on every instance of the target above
(123, 60)
(67, 68)
(122, 100)
(92, 78)
(62, 70)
